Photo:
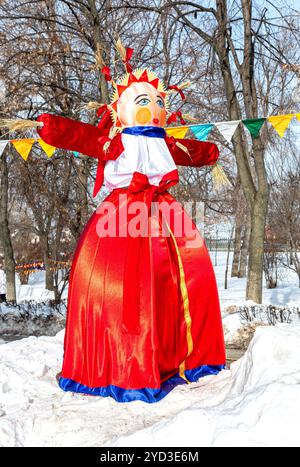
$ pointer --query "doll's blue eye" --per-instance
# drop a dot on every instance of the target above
(160, 103)
(143, 102)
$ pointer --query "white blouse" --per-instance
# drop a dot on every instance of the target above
(147, 155)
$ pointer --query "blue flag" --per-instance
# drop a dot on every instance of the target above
(202, 131)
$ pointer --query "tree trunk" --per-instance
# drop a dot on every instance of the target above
(237, 247)
(245, 249)
(227, 260)
(256, 248)
(254, 183)
(97, 38)
(5, 237)
(49, 276)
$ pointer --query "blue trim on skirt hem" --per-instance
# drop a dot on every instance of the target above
(145, 395)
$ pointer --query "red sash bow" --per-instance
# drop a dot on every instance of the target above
(135, 246)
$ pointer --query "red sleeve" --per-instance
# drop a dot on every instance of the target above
(70, 134)
(201, 153)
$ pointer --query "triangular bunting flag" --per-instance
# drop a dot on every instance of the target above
(23, 146)
(298, 117)
(49, 150)
(227, 129)
(220, 178)
(3, 145)
(178, 133)
(254, 125)
(281, 123)
(202, 131)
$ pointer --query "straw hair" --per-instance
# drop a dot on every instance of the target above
(181, 86)
(112, 133)
(121, 49)
(16, 125)
(90, 106)
(184, 148)
(185, 85)
(220, 179)
(190, 118)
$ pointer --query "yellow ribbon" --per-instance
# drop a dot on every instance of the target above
(186, 308)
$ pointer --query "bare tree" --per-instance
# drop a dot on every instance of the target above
(237, 60)
(5, 235)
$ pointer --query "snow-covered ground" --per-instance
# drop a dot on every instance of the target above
(35, 290)
(288, 292)
(256, 403)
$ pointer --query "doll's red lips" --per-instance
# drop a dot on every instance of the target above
(156, 121)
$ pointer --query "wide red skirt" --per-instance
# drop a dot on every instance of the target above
(143, 311)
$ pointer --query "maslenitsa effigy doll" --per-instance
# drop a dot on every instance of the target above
(143, 310)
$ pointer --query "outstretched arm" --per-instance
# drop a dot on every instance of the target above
(72, 135)
(87, 139)
(200, 153)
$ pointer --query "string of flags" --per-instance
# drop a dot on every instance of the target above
(227, 129)
(200, 131)
(24, 146)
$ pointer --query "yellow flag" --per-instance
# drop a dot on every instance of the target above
(178, 133)
(23, 147)
(281, 123)
(49, 150)
(298, 117)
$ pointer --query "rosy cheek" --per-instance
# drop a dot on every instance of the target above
(163, 117)
(143, 116)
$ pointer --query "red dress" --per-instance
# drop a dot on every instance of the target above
(143, 312)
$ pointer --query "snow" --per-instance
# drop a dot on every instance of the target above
(256, 403)
(35, 290)
(287, 293)
(231, 325)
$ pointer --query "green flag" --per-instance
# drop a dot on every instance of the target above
(254, 125)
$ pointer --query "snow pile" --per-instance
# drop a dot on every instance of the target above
(241, 322)
(32, 318)
(254, 404)
(268, 314)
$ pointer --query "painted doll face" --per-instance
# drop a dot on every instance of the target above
(142, 105)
